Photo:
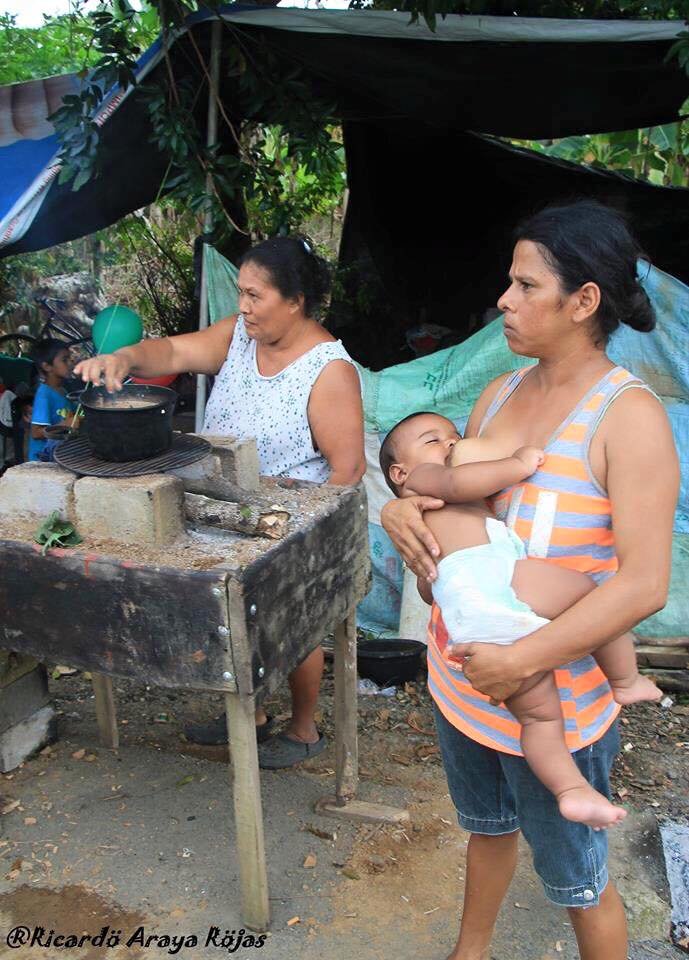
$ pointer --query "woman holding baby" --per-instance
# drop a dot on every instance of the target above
(609, 462)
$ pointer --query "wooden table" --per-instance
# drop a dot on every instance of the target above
(239, 631)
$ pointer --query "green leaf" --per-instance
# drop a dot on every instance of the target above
(81, 178)
(55, 532)
(46, 527)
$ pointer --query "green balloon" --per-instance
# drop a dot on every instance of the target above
(116, 327)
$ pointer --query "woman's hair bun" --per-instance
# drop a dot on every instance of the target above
(640, 314)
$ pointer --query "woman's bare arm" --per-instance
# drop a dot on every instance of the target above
(201, 352)
(336, 419)
(403, 519)
(643, 483)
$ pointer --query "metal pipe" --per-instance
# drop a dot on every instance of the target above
(211, 139)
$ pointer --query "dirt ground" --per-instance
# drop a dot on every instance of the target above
(141, 841)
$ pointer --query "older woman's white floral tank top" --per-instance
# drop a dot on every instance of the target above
(243, 403)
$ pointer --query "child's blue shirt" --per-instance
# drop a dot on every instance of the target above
(49, 408)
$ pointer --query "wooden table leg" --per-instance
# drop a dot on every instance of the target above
(343, 804)
(346, 735)
(248, 811)
(106, 714)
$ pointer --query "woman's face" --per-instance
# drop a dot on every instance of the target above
(267, 314)
(538, 314)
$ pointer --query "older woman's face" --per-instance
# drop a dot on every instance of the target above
(537, 311)
(267, 314)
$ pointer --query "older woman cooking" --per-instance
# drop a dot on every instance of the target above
(602, 502)
(284, 380)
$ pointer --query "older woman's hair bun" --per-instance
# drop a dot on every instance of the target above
(586, 242)
(295, 269)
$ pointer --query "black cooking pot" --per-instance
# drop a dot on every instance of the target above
(117, 432)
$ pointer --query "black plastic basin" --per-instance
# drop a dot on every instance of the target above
(389, 662)
(119, 433)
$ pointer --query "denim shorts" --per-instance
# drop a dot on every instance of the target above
(496, 793)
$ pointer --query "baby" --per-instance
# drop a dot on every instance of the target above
(488, 591)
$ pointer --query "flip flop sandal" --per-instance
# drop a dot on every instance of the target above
(280, 751)
(214, 732)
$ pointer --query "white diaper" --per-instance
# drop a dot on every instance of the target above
(475, 595)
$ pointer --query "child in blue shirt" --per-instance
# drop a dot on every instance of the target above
(50, 406)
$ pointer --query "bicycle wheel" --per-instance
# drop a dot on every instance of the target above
(17, 344)
(64, 330)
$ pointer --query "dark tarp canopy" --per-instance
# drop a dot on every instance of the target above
(435, 210)
(431, 202)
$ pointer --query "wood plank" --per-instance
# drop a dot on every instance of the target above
(663, 656)
(158, 625)
(106, 714)
(305, 585)
(661, 641)
(361, 810)
(346, 714)
(248, 811)
(669, 679)
(241, 728)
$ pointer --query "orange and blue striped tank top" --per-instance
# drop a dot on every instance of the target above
(563, 515)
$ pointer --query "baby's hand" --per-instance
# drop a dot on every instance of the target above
(531, 457)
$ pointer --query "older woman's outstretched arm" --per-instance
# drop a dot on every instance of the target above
(642, 484)
(200, 352)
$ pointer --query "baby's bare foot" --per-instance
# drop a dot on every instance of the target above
(585, 805)
(636, 690)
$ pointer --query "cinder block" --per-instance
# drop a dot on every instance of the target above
(36, 490)
(24, 738)
(148, 509)
(238, 460)
(230, 459)
(208, 468)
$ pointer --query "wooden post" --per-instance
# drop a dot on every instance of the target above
(346, 735)
(106, 714)
(344, 805)
(248, 812)
(211, 139)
